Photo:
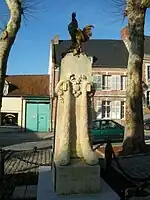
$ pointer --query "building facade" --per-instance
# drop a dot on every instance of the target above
(26, 104)
(109, 72)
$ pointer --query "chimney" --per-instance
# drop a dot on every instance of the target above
(125, 37)
(56, 39)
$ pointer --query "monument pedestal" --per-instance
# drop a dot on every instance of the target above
(77, 178)
(46, 191)
(76, 169)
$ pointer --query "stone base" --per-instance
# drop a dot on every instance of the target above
(46, 190)
(77, 178)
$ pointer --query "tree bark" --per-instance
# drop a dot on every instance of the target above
(134, 130)
(7, 39)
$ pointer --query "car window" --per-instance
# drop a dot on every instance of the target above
(96, 125)
(105, 124)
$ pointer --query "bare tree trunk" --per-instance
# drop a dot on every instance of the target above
(7, 39)
(134, 130)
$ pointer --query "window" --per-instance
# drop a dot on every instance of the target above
(99, 109)
(116, 82)
(108, 124)
(123, 82)
(148, 98)
(106, 109)
(148, 72)
(96, 125)
(106, 82)
(122, 109)
(97, 80)
(9, 119)
(115, 109)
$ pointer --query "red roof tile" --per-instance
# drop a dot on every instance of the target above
(28, 85)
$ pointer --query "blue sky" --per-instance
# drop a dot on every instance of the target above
(30, 53)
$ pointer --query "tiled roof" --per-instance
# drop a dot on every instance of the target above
(107, 53)
(28, 85)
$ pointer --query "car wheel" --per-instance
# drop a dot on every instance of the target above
(146, 127)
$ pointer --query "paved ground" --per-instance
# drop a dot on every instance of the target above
(25, 141)
(135, 168)
(27, 161)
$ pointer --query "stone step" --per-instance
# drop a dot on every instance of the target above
(25, 192)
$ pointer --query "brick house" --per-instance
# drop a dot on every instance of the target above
(109, 70)
(26, 103)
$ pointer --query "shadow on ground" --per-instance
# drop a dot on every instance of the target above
(21, 169)
(12, 136)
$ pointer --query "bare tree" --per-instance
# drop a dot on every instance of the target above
(134, 40)
(17, 10)
(7, 39)
(133, 37)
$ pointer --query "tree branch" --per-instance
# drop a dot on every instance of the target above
(7, 38)
(145, 3)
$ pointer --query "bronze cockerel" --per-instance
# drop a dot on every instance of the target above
(78, 36)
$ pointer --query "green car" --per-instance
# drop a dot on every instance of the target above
(104, 129)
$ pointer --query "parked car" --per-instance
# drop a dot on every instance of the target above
(104, 129)
(147, 124)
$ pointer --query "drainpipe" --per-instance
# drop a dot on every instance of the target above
(22, 112)
(52, 67)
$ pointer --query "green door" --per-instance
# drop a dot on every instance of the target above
(37, 117)
(43, 117)
(31, 117)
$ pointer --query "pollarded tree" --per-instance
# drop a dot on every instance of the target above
(7, 38)
(134, 40)
(17, 10)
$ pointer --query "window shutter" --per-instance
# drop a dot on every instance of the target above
(118, 109)
(113, 110)
(97, 80)
(118, 82)
(94, 78)
(123, 82)
(109, 82)
(99, 109)
(113, 82)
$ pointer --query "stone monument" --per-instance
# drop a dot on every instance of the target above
(76, 167)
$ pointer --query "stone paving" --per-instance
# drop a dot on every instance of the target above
(21, 173)
(25, 192)
(27, 161)
(137, 166)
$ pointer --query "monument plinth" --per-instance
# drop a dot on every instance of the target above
(76, 165)
(75, 170)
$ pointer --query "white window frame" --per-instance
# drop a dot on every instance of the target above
(123, 85)
(115, 109)
(146, 71)
(103, 82)
(148, 98)
(98, 109)
(98, 77)
(116, 82)
(106, 103)
(122, 105)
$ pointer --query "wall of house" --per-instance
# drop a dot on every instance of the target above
(13, 105)
(114, 95)
(146, 80)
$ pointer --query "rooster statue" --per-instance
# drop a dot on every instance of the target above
(78, 36)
